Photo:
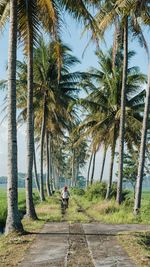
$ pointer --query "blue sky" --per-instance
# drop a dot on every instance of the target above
(71, 36)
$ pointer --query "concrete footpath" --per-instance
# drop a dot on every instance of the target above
(79, 245)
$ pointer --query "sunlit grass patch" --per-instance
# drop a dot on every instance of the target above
(49, 210)
(21, 203)
(110, 212)
(137, 246)
(72, 214)
(13, 246)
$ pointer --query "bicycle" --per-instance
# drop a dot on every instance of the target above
(64, 205)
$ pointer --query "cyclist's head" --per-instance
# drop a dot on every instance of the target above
(65, 187)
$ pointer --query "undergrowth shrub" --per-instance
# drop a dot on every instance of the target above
(111, 209)
(129, 202)
(96, 190)
(78, 191)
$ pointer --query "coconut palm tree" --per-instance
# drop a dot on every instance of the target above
(139, 12)
(104, 104)
(13, 222)
(108, 14)
(29, 12)
(51, 98)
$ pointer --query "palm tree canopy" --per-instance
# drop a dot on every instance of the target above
(104, 101)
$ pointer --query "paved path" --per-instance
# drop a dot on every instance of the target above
(79, 245)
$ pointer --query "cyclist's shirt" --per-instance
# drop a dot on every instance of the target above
(65, 194)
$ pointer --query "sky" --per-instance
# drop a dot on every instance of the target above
(71, 33)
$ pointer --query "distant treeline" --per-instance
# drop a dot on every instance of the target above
(21, 180)
(81, 181)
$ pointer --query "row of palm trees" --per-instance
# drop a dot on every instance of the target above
(104, 107)
(128, 16)
(26, 18)
(33, 14)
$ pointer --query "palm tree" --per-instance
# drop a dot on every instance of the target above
(28, 24)
(13, 222)
(138, 191)
(138, 11)
(122, 116)
(109, 13)
(28, 13)
(50, 97)
(142, 14)
(104, 104)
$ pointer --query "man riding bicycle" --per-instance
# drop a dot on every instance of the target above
(65, 195)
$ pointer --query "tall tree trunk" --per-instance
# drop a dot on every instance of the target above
(138, 191)
(93, 168)
(47, 164)
(35, 172)
(30, 210)
(103, 164)
(53, 166)
(115, 42)
(73, 167)
(13, 222)
(41, 150)
(54, 175)
(111, 165)
(77, 172)
(89, 167)
(50, 164)
(122, 116)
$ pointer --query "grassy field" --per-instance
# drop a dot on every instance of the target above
(21, 200)
(95, 209)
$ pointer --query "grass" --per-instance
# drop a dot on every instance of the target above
(21, 201)
(3, 207)
(110, 212)
(12, 247)
(137, 246)
(74, 215)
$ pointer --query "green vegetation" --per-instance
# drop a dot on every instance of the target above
(137, 246)
(21, 201)
(85, 206)
(109, 211)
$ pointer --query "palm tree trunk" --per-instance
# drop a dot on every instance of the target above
(13, 222)
(111, 166)
(93, 168)
(122, 116)
(138, 191)
(103, 164)
(77, 172)
(53, 166)
(73, 167)
(47, 163)
(115, 42)
(50, 165)
(89, 167)
(30, 210)
(42, 147)
(35, 172)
